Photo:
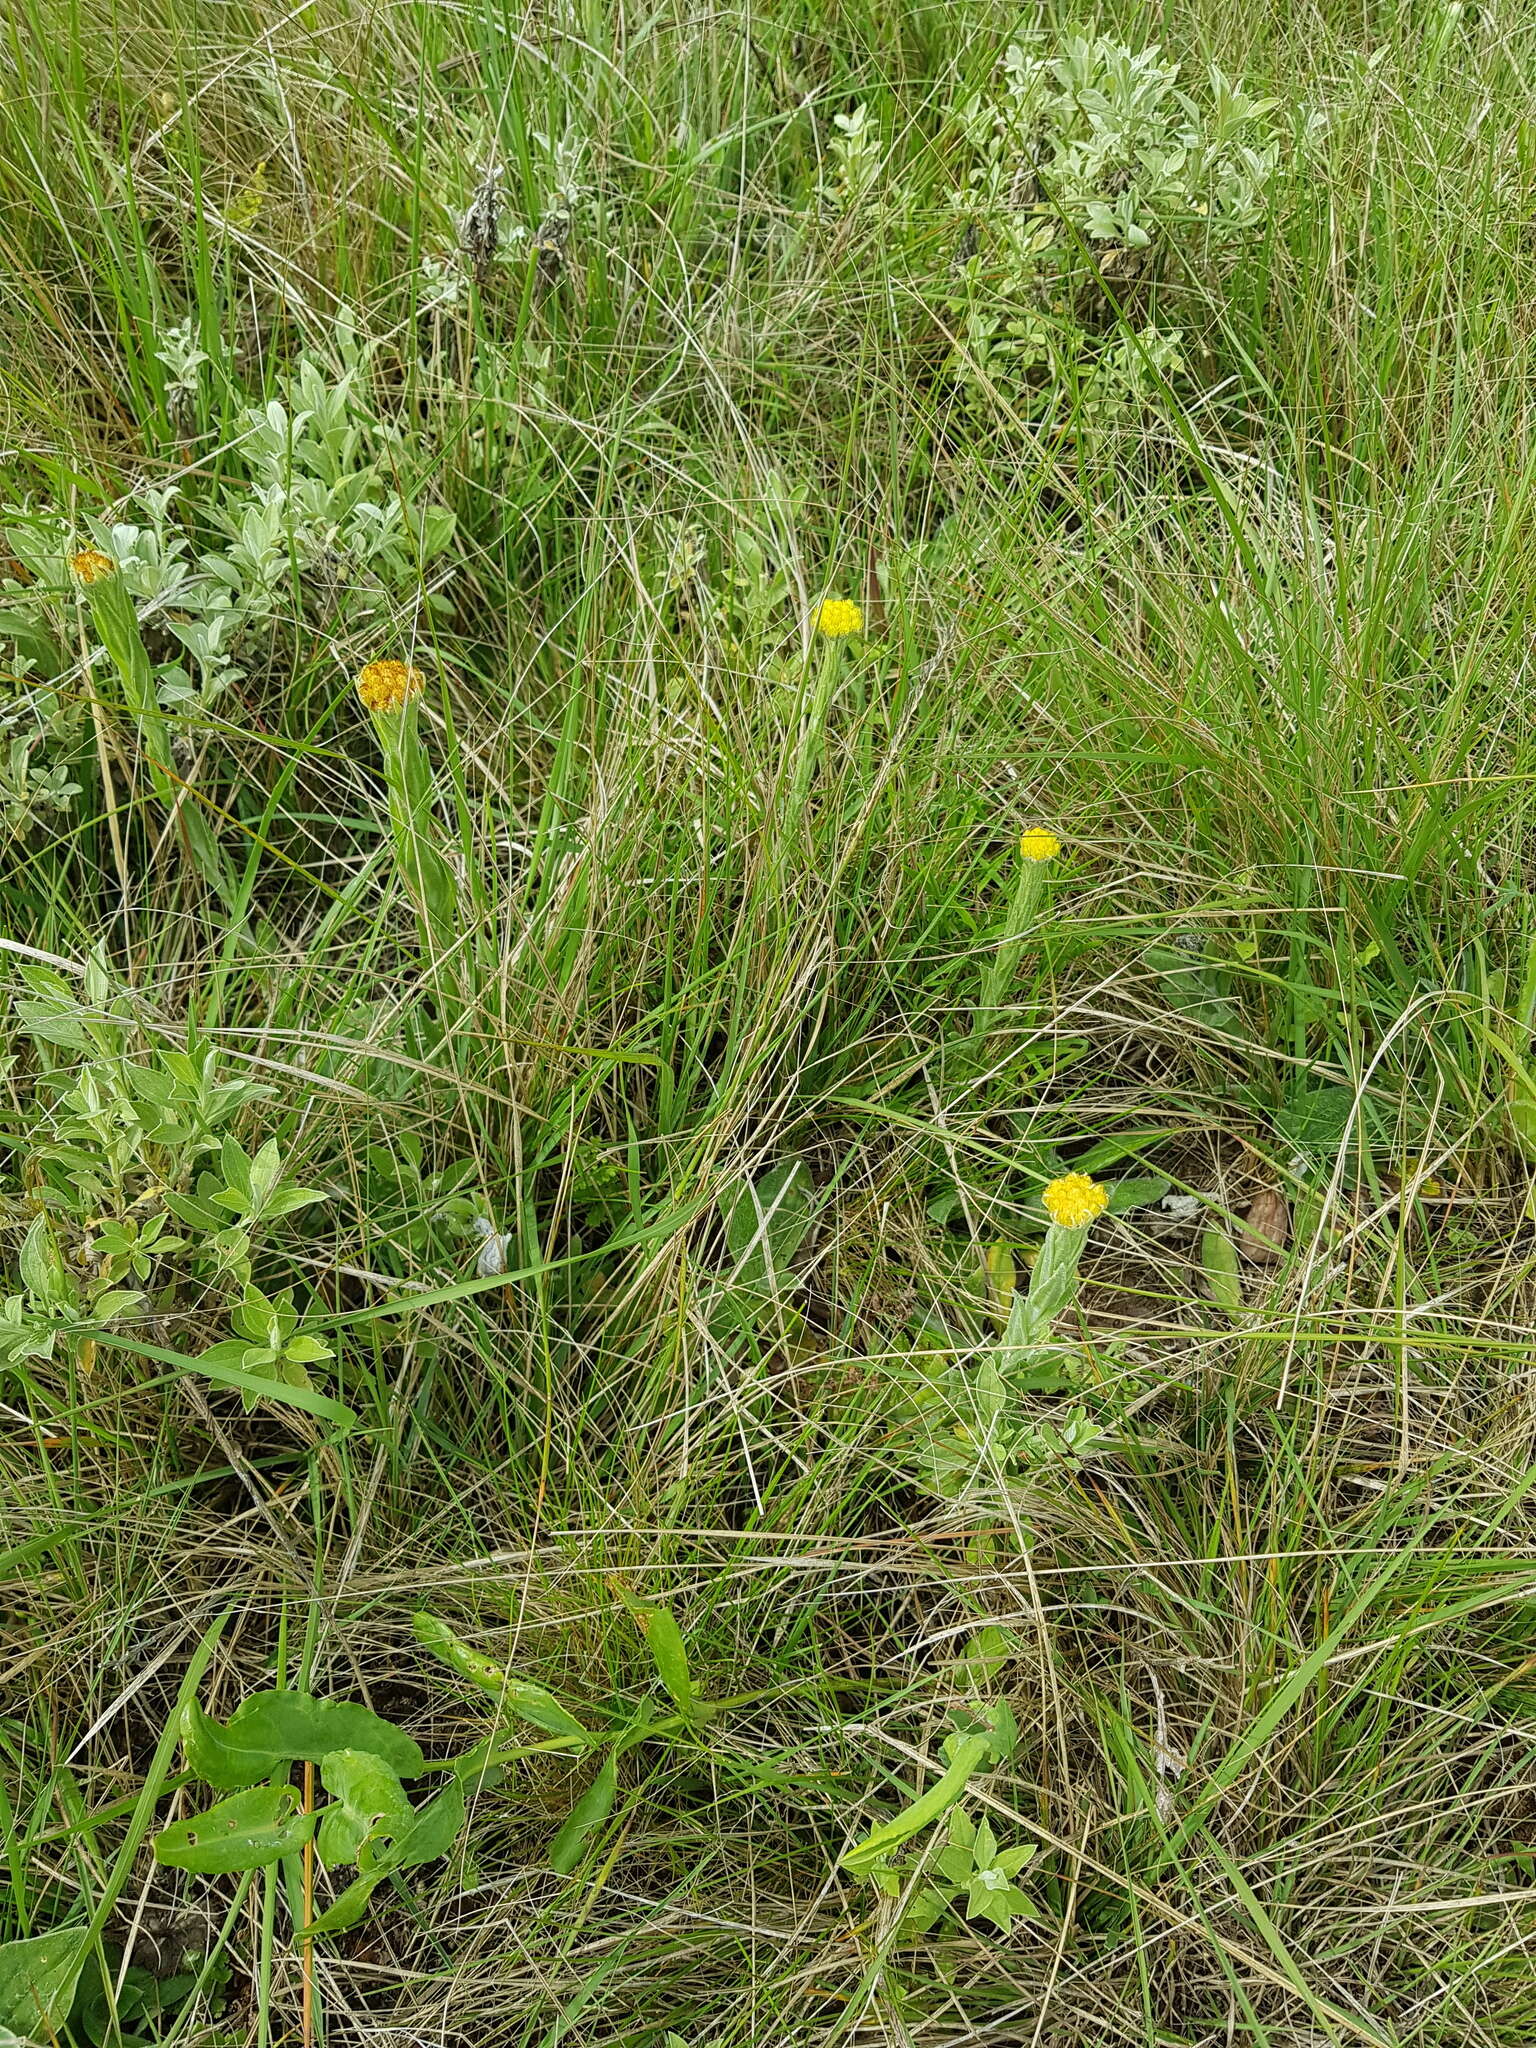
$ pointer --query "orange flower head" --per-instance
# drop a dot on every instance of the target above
(92, 566)
(387, 686)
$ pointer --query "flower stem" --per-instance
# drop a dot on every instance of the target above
(427, 876)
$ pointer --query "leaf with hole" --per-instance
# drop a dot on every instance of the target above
(245, 1832)
(429, 1832)
(519, 1696)
(370, 1803)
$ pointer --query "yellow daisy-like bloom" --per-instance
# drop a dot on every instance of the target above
(1074, 1200)
(838, 617)
(1038, 844)
(92, 566)
(389, 685)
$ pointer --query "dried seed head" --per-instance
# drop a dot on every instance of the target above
(548, 244)
(480, 228)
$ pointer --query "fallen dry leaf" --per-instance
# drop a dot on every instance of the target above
(1266, 1228)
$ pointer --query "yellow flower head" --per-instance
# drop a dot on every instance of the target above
(837, 617)
(1038, 844)
(389, 685)
(92, 566)
(1074, 1200)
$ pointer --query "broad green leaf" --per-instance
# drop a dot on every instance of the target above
(266, 1171)
(236, 1169)
(996, 1725)
(1316, 1119)
(1194, 985)
(992, 1898)
(56, 1022)
(1108, 1152)
(31, 638)
(253, 1828)
(37, 1981)
(588, 1814)
(271, 1729)
(348, 1909)
(189, 1209)
(1223, 1278)
(924, 1913)
(370, 1802)
(433, 1831)
(117, 1301)
(43, 1272)
(254, 1387)
(1002, 1274)
(428, 1832)
(764, 1226)
(987, 1652)
(1522, 1115)
(664, 1640)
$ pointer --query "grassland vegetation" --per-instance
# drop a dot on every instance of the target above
(769, 1097)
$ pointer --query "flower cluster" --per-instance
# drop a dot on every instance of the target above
(838, 617)
(386, 686)
(1038, 844)
(1074, 1200)
(92, 566)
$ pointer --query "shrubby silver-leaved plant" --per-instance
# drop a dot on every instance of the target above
(1093, 173)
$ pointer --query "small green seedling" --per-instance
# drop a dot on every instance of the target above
(970, 1865)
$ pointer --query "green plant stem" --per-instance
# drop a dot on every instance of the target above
(813, 728)
(1029, 892)
(427, 876)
